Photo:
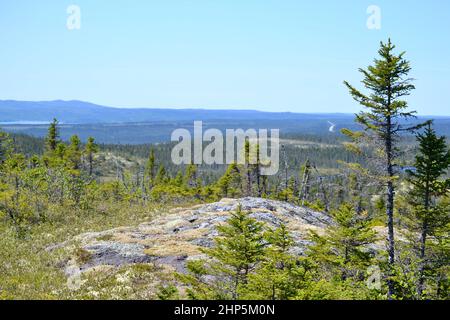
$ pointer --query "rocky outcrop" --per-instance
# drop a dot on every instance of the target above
(178, 235)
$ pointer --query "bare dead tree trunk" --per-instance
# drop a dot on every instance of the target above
(324, 194)
(264, 185)
(286, 182)
(258, 177)
(249, 183)
(304, 189)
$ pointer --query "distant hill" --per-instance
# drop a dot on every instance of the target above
(79, 112)
(137, 126)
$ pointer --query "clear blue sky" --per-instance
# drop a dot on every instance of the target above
(274, 55)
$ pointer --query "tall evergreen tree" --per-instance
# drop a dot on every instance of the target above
(150, 167)
(90, 150)
(6, 147)
(230, 184)
(388, 83)
(73, 153)
(52, 140)
(431, 164)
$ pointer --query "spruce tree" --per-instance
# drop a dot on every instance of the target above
(73, 153)
(387, 83)
(230, 184)
(238, 249)
(52, 140)
(6, 147)
(341, 253)
(431, 164)
(279, 275)
(150, 167)
(161, 176)
(149, 174)
(90, 150)
(178, 180)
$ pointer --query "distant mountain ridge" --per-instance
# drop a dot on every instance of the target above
(140, 125)
(80, 112)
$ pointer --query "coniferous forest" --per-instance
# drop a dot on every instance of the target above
(381, 188)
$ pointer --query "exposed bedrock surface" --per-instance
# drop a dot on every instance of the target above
(177, 235)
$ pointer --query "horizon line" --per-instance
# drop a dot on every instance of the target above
(197, 108)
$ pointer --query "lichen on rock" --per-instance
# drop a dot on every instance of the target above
(173, 238)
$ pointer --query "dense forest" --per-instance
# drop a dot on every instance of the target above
(390, 174)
